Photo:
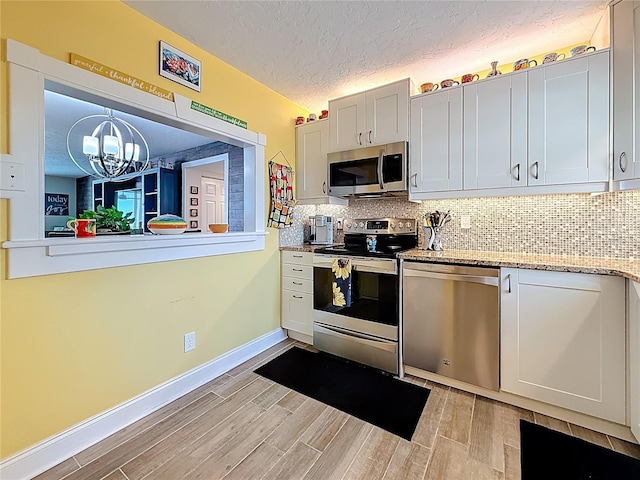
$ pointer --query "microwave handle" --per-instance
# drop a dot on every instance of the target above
(380, 160)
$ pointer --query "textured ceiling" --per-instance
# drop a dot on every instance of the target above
(313, 51)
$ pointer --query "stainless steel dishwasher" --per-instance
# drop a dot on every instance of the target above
(451, 321)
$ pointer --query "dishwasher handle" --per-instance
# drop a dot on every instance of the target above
(456, 277)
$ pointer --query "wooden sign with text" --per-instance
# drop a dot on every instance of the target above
(118, 76)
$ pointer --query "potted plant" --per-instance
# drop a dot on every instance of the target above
(109, 220)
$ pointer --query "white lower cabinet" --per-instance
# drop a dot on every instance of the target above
(563, 340)
(297, 292)
(633, 301)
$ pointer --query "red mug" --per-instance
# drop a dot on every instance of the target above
(469, 77)
(83, 227)
(299, 120)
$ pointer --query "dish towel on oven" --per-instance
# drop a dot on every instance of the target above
(341, 268)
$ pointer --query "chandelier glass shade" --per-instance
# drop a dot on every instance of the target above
(115, 147)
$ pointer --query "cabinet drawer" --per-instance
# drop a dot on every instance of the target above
(297, 311)
(297, 271)
(297, 284)
(301, 258)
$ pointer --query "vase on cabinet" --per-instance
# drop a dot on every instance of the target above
(494, 70)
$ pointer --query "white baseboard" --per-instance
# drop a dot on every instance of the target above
(48, 453)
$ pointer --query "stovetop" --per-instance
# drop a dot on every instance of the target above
(381, 238)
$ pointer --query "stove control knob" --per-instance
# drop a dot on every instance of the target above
(392, 225)
(361, 224)
(400, 225)
(348, 225)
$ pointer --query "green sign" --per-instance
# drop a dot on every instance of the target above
(212, 112)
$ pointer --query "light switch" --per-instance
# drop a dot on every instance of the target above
(11, 176)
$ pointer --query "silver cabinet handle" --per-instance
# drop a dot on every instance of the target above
(324, 187)
(369, 136)
(537, 165)
(380, 159)
(360, 138)
(509, 278)
(415, 180)
(623, 169)
(518, 172)
(296, 256)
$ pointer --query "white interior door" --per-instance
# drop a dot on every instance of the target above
(213, 200)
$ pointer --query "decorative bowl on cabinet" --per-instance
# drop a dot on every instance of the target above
(167, 224)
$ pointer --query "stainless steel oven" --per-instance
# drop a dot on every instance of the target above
(367, 330)
(379, 170)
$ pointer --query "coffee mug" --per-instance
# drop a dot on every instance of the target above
(429, 87)
(469, 77)
(448, 83)
(581, 49)
(299, 120)
(524, 63)
(552, 57)
(83, 227)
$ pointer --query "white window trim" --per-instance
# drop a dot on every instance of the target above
(29, 252)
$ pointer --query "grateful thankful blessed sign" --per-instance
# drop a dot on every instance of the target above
(118, 76)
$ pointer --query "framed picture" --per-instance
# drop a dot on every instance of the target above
(193, 212)
(193, 224)
(194, 201)
(56, 204)
(179, 67)
(194, 190)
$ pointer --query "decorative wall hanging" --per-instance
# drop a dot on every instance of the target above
(281, 188)
(179, 67)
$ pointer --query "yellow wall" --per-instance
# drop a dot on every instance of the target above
(74, 345)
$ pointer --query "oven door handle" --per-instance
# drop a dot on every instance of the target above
(362, 264)
(356, 337)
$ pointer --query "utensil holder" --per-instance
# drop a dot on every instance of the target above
(432, 238)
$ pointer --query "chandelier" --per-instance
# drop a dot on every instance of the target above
(114, 147)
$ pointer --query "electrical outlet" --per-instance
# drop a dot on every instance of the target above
(465, 222)
(339, 223)
(189, 341)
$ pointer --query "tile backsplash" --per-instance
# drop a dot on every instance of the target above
(606, 225)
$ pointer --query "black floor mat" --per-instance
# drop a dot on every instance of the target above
(361, 391)
(548, 454)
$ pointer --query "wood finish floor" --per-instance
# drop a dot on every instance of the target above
(242, 426)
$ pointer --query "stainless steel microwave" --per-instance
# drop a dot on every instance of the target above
(375, 171)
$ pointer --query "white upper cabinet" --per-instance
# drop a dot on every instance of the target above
(495, 132)
(625, 40)
(373, 117)
(435, 150)
(569, 121)
(312, 145)
(538, 131)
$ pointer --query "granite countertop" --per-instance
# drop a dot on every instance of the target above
(559, 263)
(305, 247)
